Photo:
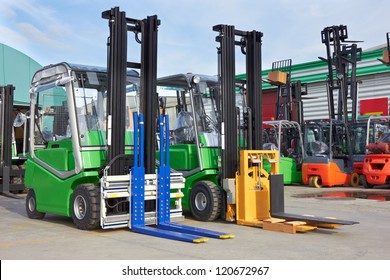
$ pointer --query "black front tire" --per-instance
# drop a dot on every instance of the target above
(205, 201)
(365, 184)
(31, 206)
(85, 207)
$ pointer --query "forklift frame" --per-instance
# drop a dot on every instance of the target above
(8, 173)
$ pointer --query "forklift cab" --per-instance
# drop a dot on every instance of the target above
(328, 152)
(69, 114)
(192, 110)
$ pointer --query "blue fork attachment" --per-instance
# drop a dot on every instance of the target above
(137, 215)
(163, 190)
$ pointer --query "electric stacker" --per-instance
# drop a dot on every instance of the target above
(92, 150)
(11, 160)
(284, 132)
(330, 159)
(252, 196)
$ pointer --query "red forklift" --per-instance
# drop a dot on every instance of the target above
(376, 165)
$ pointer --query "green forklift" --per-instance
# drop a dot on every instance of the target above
(286, 137)
(284, 132)
(88, 158)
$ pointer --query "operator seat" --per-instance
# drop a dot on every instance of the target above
(184, 132)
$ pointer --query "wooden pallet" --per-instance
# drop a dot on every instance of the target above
(282, 225)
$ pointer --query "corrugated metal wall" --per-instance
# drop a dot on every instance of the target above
(371, 86)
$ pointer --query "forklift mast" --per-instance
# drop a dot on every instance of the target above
(289, 105)
(6, 102)
(145, 34)
(386, 53)
(341, 60)
(10, 174)
(250, 44)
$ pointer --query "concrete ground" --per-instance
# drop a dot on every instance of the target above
(56, 238)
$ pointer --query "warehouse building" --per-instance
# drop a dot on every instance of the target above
(373, 87)
(17, 68)
(374, 83)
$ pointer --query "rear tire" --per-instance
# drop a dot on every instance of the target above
(85, 207)
(311, 184)
(355, 178)
(365, 184)
(205, 201)
(317, 182)
(31, 206)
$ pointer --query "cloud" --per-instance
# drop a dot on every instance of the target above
(11, 37)
(41, 38)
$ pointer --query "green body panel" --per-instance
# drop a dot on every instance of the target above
(183, 157)
(209, 157)
(53, 194)
(207, 174)
(57, 158)
(287, 167)
(93, 159)
(58, 154)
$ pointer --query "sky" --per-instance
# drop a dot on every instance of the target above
(52, 31)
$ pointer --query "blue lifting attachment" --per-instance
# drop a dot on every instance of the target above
(137, 215)
(163, 190)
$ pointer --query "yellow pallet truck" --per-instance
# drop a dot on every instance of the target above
(256, 197)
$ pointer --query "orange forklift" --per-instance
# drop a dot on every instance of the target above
(329, 157)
